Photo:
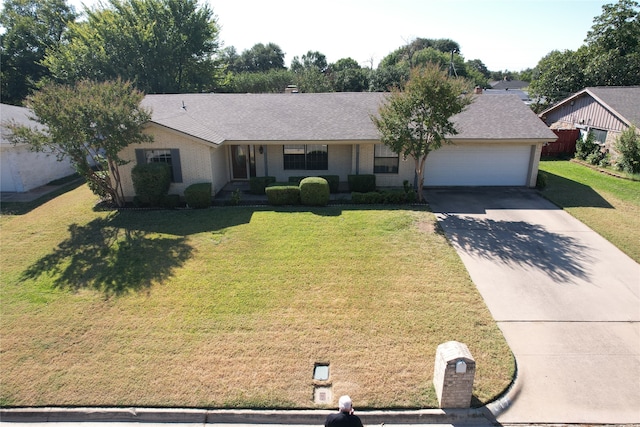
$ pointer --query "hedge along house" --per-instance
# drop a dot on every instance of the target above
(605, 111)
(221, 138)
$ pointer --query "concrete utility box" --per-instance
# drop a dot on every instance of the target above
(453, 375)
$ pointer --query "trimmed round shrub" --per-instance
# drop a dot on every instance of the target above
(314, 191)
(151, 182)
(198, 196)
(280, 195)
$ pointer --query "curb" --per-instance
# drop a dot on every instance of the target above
(503, 403)
(221, 416)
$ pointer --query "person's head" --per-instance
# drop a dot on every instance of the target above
(344, 404)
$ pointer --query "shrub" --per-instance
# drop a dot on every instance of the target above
(388, 197)
(362, 183)
(198, 196)
(412, 196)
(541, 180)
(279, 195)
(314, 191)
(368, 198)
(595, 158)
(628, 145)
(151, 182)
(586, 147)
(170, 201)
(394, 197)
(257, 184)
(334, 182)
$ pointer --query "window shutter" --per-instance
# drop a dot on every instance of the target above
(140, 158)
(175, 164)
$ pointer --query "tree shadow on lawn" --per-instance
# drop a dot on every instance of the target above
(110, 259)
(129, 250)
(559, 256)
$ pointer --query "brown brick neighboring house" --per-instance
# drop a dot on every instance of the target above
(606, 111)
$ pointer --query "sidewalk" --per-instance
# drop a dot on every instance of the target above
(237, 417)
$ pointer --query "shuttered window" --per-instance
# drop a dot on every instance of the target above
(169, 156)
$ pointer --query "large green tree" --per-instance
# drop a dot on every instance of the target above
(163, 46)
(310, 72)
(609, 57)
(88, 123)
(346, 75)
(417, 120)
(30, 28)
(260, 58)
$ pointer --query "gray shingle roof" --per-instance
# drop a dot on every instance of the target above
(625, 101)
(341, 116)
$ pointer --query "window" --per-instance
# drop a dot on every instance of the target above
(306, 157)
(599, 135)
(169, 156)
(384, 160)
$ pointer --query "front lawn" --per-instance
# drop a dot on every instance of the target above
(608, 205)
(231, 307)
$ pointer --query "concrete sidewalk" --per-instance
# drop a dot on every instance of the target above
(567, 301)
(236, 417)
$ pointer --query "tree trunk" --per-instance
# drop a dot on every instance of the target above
(420, 171)
(116, 184)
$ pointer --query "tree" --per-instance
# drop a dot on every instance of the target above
(416, 121)
(88, 123)
(628, 145)
(309, 72)
(272, 81)
(163, 46)
(609, 57)
(346, 75)
(261, 58)
(31, 27)
(310, 60)
(559, 75)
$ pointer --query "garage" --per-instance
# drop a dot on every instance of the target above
(479, 165)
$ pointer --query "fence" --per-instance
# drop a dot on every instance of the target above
(564, 146)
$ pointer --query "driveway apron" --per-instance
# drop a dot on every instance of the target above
(566, 300)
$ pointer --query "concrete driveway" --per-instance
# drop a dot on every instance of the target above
(567, 301)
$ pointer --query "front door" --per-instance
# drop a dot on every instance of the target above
(242, 162)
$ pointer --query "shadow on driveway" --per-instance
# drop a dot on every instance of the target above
(561, 257)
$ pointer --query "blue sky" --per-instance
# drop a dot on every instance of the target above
(504, 34)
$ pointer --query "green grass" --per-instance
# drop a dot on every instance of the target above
(232, 307)
(608, 205)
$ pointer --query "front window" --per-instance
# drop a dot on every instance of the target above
(384, 159)
(168, 156)
(306, 157)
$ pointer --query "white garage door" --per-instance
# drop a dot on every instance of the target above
(491, 165)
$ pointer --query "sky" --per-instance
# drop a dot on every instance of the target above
(504, 34)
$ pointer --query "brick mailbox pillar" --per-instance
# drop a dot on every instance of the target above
(453, 375)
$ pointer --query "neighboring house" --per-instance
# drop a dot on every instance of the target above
(21, 169)
(220, 138)
(524, 96)
(605, 111)
(509, 85)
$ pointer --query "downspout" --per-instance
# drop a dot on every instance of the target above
(357, 159)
